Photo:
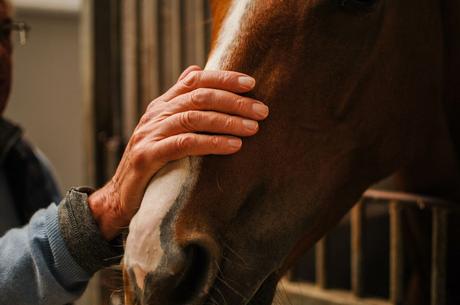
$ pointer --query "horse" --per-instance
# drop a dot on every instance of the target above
(358, 90)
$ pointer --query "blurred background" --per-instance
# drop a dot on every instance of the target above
(47, 86)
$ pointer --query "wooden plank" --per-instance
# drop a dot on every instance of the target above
(302, 294)
(321, 263)
(170, 42)
(439, 252)
(87, 47)
(358, 219)
(176, 39)
(396, 254)
(410, 199)
(194, 28)
(92, 294)
(149, 55)
(130, 97)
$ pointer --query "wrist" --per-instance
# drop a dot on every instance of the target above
(105, 207)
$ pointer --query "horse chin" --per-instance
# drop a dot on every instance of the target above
(263, 296)
(266, 292)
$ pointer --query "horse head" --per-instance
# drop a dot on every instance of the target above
(350, 85)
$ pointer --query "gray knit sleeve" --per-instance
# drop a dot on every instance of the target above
(82, 236)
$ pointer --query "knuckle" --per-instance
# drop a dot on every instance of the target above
(185, 142)
(214, 141)
(187, 120)
(151, 105)
(136, 138)
(226, 77)
(199, 97)
(240, 104)
(146, 117)
(154, 104)
(192, 79)
(140, 159)
(229, 123)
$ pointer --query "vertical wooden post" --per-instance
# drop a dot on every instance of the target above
(439, 252)
(130, 43)
(170, 42)
(321, 263)
(149, 55)
(194, 27)
(396, 254)
(358, 219)
(87, 51)
(92, 294)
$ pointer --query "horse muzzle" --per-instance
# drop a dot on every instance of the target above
(184, 275)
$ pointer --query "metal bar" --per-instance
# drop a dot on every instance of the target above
(358, 218)
(396, 254)
(439, 252)
(321, 263)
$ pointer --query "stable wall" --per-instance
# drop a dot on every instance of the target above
(46, 98)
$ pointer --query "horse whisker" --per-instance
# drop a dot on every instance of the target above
(221, 295)
(213, 300)
(232, 289)
(219, 186)
(114, 257)
(234, 253)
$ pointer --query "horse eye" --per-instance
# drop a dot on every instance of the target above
(357, 3)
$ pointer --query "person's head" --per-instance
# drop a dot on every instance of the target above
(5, 53)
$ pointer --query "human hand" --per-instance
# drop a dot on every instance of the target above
(200, 102)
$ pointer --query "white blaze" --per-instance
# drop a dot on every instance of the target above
(143, 247)
(228, 34)
(143, 250)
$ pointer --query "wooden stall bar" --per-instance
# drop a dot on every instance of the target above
(438, 256)
(358, 219)
(321, 263)
(396, 254)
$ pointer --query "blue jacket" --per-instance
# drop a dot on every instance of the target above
(51, 258)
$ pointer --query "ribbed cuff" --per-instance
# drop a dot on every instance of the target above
(81, 233)
(70, 272)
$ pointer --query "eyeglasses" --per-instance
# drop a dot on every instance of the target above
(21, 28)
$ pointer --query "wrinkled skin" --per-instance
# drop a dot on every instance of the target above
(356, 93)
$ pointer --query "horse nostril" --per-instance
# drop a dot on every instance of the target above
(184, 277)
(195, 276)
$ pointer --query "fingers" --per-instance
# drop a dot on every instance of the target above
(188, 70)
(224, 80)
(190, 144)
(221, 101)
(209, 122)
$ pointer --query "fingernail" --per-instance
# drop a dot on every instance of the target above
(246, 82)
(251, 125)
(260, 109)
(235, 143)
